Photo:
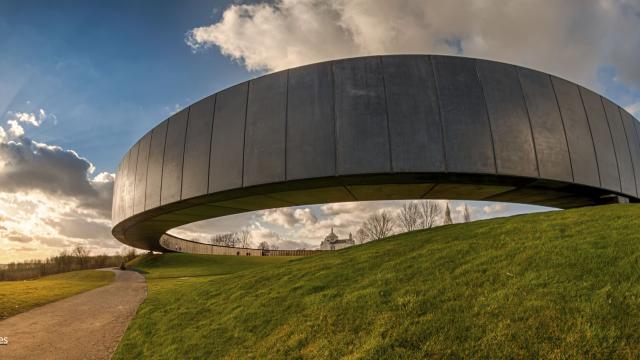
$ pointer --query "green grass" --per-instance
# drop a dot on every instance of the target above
(552, 285)
(187, 265)
(20, 296)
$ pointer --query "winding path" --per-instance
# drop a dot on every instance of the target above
(83, 326)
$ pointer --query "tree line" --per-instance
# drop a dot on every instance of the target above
(78, 258)
(412, 216)
(240, 239)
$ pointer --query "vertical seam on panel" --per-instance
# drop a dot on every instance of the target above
(633, 166)
(486, 107)
(213, 119)
(127, 176)
(526, 107)
(135, 175)
(286, 121)
(593, 144)
(613, 144)
(386, 111)
(244, 129)
(564, 129)
(184, 150)
(164, 151)
(145, 170)
(146, 180)
(440, 112)
(335, 119)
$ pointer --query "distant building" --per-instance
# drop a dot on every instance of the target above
(331, 242)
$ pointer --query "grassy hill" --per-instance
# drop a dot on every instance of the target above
(20, 296)
(550, 285)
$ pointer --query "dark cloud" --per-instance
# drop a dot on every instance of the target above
(29, 165)
(17, 237)
(81, 228)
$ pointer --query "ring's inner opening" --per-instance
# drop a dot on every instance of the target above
(334, 226)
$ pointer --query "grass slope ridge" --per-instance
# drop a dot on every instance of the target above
(551, 285)
(20, 296)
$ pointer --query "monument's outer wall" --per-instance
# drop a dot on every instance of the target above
(383, 115)
(181, 245)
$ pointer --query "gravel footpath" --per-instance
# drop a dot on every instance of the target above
(84, 326)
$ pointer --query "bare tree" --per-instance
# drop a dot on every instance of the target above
(409, 216)
(361, 236)
(430, 210)
(447, 216)
(81, 253)
(378, 225)
(263, 245)
(244, 238)
(466, 214)
(225, 239)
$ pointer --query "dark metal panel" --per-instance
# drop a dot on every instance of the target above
(548, 131)
(121, 193)
(264, 148)
(634, 142)
(117, 196)
(254, 202)
(605, 153)
(173, 157)
(123, 186)
(131, 180)
(122, 205)
(581, 150)
(510, 127)
(389, 191)
(362, 136)
(227, 144)
(310, 146)
(415, 128)
(195, 172)
(621, 145)
(467, 134)
(315, 196)
(154, 167)
(466, 191)
(141, 173)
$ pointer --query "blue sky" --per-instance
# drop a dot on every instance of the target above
(109, 71)
(81, 81)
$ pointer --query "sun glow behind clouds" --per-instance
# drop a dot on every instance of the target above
(49, 198)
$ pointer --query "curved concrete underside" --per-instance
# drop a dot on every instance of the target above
(378, 128)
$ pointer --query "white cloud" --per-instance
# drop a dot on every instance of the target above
(15, 129)
(282, 217)
(494, 208)
(34, 119)
(571, 38)
(305, 216)
(289, 217)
